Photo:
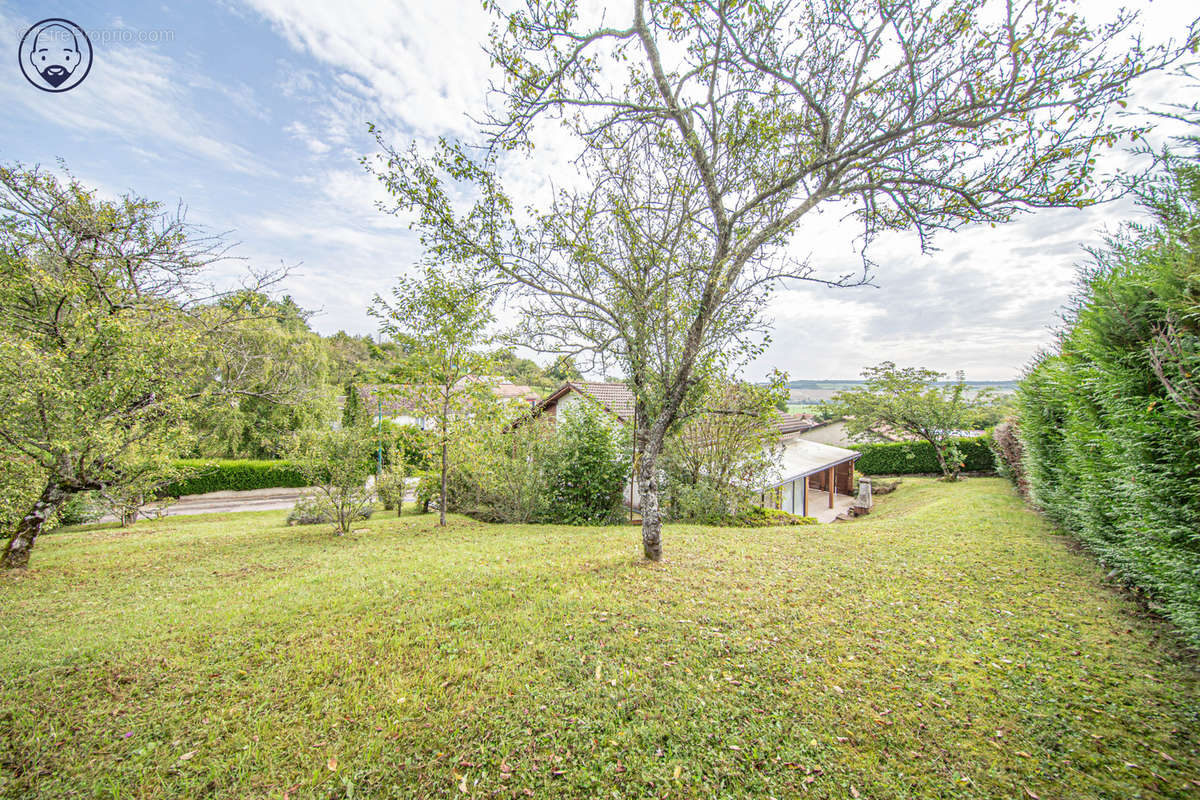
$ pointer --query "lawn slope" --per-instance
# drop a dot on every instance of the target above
(949, 645)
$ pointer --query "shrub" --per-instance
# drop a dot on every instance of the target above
(234, 475)
(336, 463)
(390, 488)
(1009, 454)
(914, 458)
(314, 510)
(756, 517)
(586, 475)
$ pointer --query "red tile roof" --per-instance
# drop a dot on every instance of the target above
(613, 396)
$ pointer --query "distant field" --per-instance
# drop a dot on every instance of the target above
(947, 646)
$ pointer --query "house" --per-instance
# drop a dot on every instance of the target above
(613, 397)
(812, 475)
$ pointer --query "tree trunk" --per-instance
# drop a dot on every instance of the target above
(651, 514)
(442, 504)
(16, 554)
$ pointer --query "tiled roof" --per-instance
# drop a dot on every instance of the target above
(614, 396)
(794, 423)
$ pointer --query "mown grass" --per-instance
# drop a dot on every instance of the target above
(949, 645)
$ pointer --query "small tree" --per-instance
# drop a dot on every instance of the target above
(441, 318)
(912, 400)
(337, 462)
(725, 449)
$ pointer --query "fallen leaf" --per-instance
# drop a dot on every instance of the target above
(678, 771)
(1032, 796)
(187, 756)
(331, 764)
(462, 785)
(854, 792)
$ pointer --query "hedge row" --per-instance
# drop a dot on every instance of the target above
(912, 458)
(1110, 420)
(234, 475)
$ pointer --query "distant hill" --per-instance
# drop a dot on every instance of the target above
(837, 384)
(815, 392)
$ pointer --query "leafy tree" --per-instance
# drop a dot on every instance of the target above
(724, 450)
(353, 412)
(337, 462)
(707, 133)
(911, 400)
(442, 319)
(562, 370)
(281, 370)
(103, 343)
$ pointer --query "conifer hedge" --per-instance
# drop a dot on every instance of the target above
(210, 475)
(1110, 420)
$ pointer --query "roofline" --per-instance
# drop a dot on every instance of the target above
(567, 386)
(814, 471)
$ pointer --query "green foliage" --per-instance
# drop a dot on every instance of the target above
(1110, 420)
(336, 463)
(352, 412)
(314, 509)
(277, 372)
(102, 356)
(715, 463)
(21, 481)
(234, 475)
(80, 509)
(919, 458)
(913, 400)
(390, 487)
(587, 472)
(756, 517)
(440, 318)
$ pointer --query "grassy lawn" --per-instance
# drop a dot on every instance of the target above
(949, 645)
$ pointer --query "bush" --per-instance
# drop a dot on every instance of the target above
(756, 517)
(336, 464)
(1009, 455)
(914, 458)
(586, 475)
(234, 475)
(390, 488)
(313, 510)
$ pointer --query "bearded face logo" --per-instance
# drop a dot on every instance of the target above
(58, 52)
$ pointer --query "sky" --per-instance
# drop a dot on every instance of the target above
(253, 116)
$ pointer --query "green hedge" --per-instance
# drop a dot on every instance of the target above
(234, 475)
(1111, 453)
(911, 458)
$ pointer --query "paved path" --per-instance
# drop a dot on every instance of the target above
(226, 502)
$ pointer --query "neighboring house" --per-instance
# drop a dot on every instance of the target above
(612, 397)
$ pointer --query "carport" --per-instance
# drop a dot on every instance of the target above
(818, 480)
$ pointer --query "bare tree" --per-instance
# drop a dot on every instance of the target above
(709, 130)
